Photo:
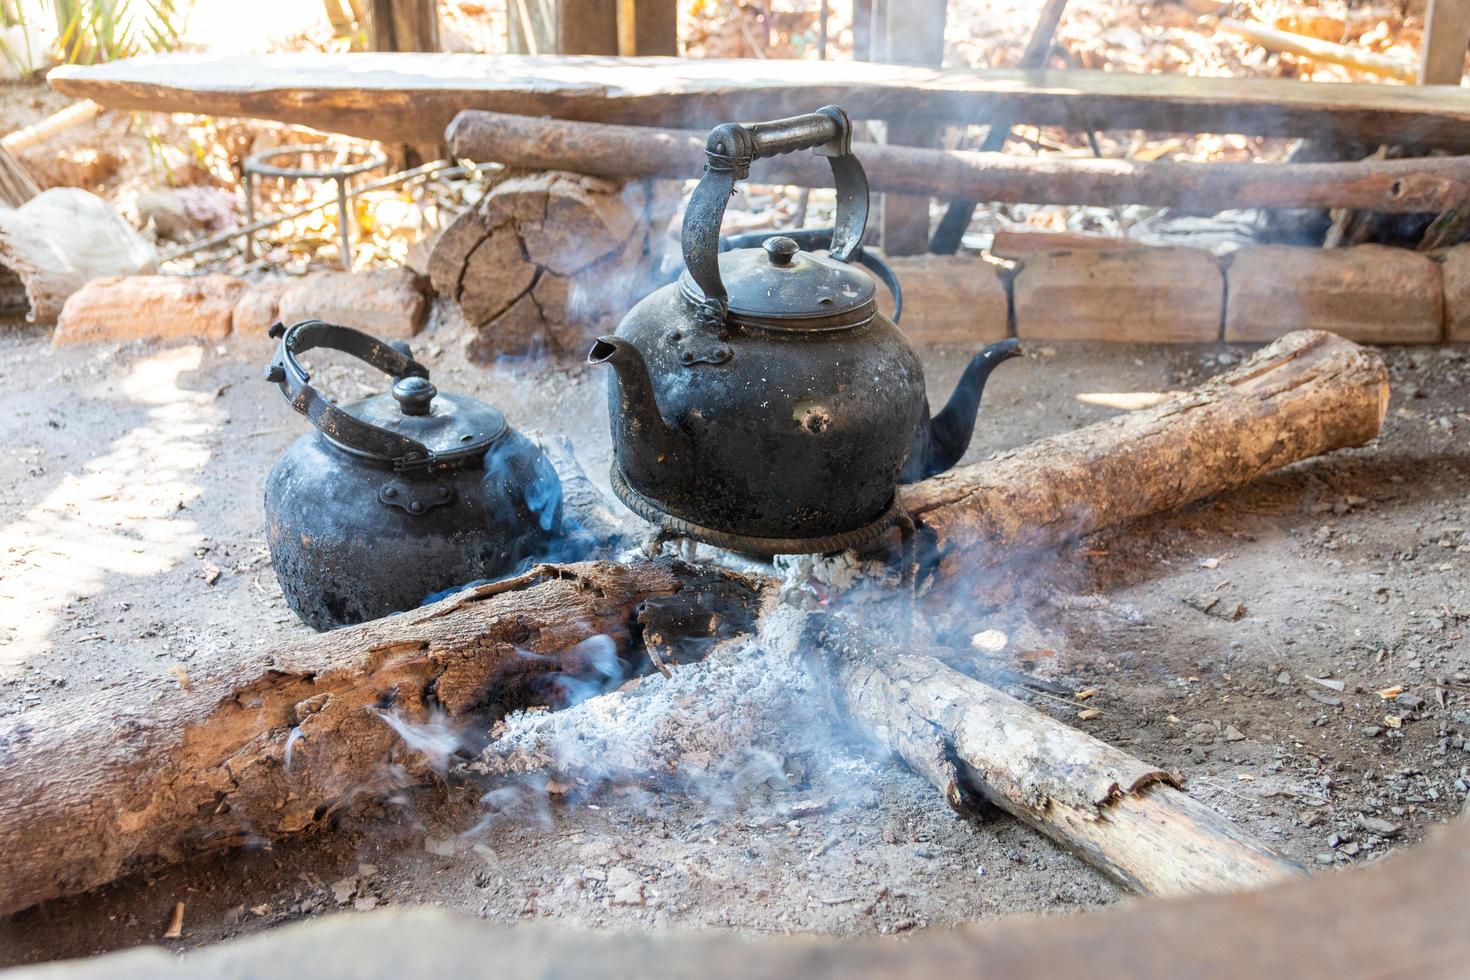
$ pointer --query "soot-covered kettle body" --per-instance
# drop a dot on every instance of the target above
(399, 495)
(762, 402)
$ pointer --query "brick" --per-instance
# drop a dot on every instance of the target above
(388, 303)
(117, 308)
(258, 307)
(949, 299)
(1372, 294)
(1143, 294)
(1455, 269)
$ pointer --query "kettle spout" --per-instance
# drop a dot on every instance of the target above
(638, 425)
(942, 440)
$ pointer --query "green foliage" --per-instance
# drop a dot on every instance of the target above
(90, 31)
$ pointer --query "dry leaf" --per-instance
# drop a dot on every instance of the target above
(1393, 721)
(1089, 693)
(1087, 714)
(1389, 693)
(176, 924)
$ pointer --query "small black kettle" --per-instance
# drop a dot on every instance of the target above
(400, 495)
(763, 403)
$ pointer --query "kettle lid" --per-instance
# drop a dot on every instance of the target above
(778, 286)
(452, 427)
(410, 426)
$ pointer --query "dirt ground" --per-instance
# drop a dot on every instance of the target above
(131, 550)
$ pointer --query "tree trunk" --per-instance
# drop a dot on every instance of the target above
(1119, 814)
(1308, 393)
(282, 740)
(1405, 185)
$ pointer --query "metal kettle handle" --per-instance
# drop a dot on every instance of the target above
(347, 430)
(729, 152)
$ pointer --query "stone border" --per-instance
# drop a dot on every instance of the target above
(1372, 294)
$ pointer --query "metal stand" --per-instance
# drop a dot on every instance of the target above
(355, 161)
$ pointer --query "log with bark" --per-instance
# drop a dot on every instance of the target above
(551, 260)
(1308, 393)
(412, 97)
(276, 744)
(1124, 817)
(1406, 185)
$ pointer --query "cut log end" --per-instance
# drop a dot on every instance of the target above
(548, 261)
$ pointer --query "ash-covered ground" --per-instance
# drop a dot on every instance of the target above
(1241, 643)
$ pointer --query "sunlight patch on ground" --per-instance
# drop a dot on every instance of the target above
(120, 516)
(1126, 401)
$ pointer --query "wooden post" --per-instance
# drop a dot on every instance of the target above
(1446, 35)
(908, 33)
(563, 26)
(403, 25)
(647, 27)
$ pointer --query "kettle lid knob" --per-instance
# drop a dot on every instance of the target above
(781, 249)
(414, 395)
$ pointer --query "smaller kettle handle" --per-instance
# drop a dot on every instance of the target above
(343, 428)
(729, 152)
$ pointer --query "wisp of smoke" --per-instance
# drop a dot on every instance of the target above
(434, 739)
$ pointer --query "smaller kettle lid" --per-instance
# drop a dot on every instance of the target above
(779, 286)
(409, 426)
(453, 427)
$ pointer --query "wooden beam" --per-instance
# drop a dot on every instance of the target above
(1408, 185)
(412, 97)
(1446, 36)
(1315, 49)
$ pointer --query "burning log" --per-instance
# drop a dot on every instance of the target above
(1405, 185)
(1119, 814)
(281, 742)
(1308, 393)
(548, 259)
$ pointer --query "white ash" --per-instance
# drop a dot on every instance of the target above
(716, 729)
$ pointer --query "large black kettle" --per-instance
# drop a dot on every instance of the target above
(399, 495)
(762, 403)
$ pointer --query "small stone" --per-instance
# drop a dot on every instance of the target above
(1411, 701)
(442, 846)
(1284, 677)
(1325, 858)
(625, 885)
(989, 641)
(1373, 731)
(1233, 734)
(1331, 684)
(365, 903)
(1379, 826)
(344, 890)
